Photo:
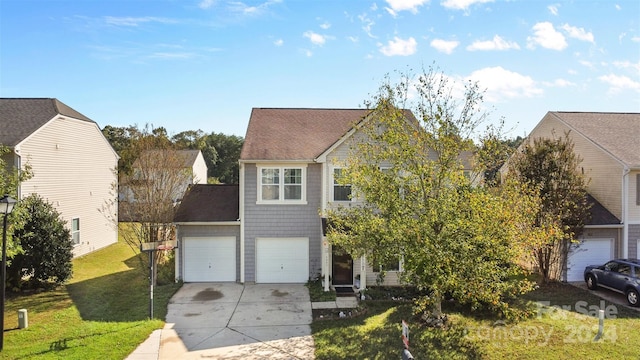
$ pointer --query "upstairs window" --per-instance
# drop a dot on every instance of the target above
(281, 185)
(340, 192)
(75, 231)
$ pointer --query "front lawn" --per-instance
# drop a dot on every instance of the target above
(563, 330)
(101, 314)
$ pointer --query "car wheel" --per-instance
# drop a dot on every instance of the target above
(632, 297)
(592, 284)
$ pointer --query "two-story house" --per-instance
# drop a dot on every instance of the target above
(609, 145)
(73, 166)
(288, 169)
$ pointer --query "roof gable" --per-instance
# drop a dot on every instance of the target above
(209, 203)
(21, 117)
(616, 133)
(296, 134)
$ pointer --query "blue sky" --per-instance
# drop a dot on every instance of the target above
(204, 64)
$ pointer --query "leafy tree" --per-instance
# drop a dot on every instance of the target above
(455, 239)
(224, 166)
(10, 178)
(46, 243)
(551, 168)
(493, 152)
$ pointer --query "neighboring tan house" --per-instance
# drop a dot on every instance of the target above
(287, 168)
(173, 171)
(609, 145)
(73, 166)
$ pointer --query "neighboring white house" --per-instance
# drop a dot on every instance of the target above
(73, 166)
(609, 144)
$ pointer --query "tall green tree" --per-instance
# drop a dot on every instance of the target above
(416, 203)
(224, 167)
(10, 179)
(46, 244)
(552, 169)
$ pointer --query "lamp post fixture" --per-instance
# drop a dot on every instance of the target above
(6, 206)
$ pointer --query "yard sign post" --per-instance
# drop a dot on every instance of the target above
(151, 248)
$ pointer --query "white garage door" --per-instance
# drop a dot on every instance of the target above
(590, 252)
(209, 259)
(282, 260)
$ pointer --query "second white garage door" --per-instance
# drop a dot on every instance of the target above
(590, 252)
(209, 259)
(282, 260)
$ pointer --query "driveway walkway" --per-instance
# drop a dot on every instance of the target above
(234, 321)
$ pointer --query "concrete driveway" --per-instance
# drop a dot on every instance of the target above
(234, 321)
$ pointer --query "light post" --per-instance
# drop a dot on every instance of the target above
(6, 206)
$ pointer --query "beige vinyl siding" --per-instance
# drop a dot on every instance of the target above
(391, 278)
(73, 168)
(200, 170)
(604, 172)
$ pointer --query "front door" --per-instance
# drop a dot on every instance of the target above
(342, 267)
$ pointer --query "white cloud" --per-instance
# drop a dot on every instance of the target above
(497, 43)
(402, 5)
(628, 65)
(315, 38)
(400, 47)
(503, 84)
(205, 4)
(619, 83)
(135, 21)
(618, 7)
(462, 4)
(278, 42)
(353, 39)
(586, 63)
(635, 39)
(553, 9)
(367, 24)
(560, 83)
(444, 46)
(577, 33)
(546, 36)
(245, 9)
(325, 25)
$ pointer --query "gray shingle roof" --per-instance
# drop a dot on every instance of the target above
(599, 214)
(616, 133)
(21, 117)
(296, 134)
(209, 203)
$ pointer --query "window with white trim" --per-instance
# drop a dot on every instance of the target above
(341, 192)
(281, 184)
(75, 231)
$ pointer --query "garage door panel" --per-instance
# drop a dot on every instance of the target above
(282, 260)
(209, 259)
(590, 252)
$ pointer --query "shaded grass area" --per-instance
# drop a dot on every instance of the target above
(564, 330)
(101, 314)
(317, 293)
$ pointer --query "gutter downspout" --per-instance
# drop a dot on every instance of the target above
(625, 212)
(325, 245)
(241, 207)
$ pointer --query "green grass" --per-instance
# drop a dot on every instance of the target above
(555, 333)
(317, 293)
(102, 313)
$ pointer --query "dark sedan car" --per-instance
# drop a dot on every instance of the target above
(619, 275)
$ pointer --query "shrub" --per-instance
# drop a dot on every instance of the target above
(46, 244)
